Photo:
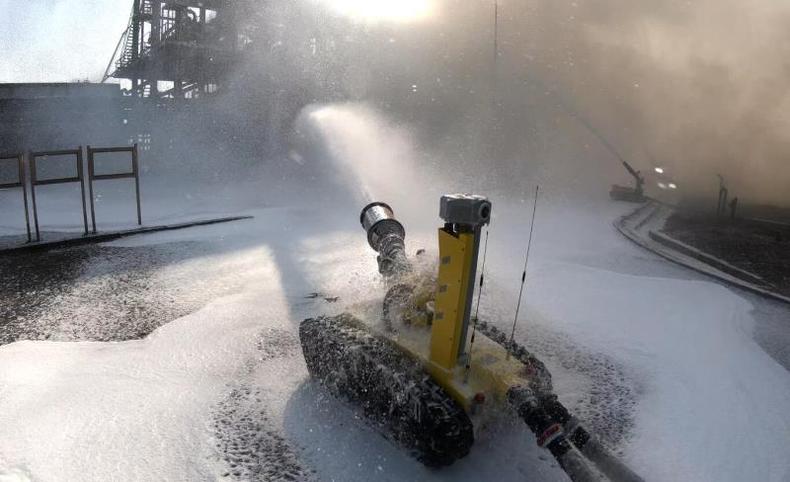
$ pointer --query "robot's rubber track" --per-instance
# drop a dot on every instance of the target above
(393, 390)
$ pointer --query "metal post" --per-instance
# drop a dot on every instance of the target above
(202, 82)
(136, 170)
(154, 40)
(135, 29)
(33, 179)
(156, 23)
(23, 182)
(81, 175)
(90, 188)
(135, 42)
(134, 173)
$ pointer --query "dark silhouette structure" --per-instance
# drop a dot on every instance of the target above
(178, 49)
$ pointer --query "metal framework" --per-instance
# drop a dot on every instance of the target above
(34, 181)
(21, 182)
(189, 45)
(92, 176)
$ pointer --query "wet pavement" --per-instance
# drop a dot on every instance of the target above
(96, 293)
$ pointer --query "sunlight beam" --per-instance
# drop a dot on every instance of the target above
(383, 10)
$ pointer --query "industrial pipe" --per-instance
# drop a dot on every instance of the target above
(551, 435)
(587, 443)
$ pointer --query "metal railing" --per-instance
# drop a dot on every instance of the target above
(32, 161)
(20, 183)
(92, 176)
(34, 181)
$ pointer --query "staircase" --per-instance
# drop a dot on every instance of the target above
(128, 54)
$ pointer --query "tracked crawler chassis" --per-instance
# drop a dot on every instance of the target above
(393, 390)
(429, 380)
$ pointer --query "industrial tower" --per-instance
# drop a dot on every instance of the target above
(177, 49)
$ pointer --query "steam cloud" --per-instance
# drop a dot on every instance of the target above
(697, 87)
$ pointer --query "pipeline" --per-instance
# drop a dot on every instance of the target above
(550, 435)
(587, 443)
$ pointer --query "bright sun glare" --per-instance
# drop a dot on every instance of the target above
(387, 10)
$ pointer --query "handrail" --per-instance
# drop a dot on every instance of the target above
(20, 182)
(133, 174)
(34, 181)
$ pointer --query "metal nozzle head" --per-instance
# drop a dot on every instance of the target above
(386, 236)
(378, 221)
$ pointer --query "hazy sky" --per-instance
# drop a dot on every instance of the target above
(59, 40)
(698, 86)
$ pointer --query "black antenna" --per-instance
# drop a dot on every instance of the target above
(526, 260)
(477, 309)
(496, 31)
(495, 65)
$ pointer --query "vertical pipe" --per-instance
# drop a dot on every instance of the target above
(81, 175)
(135, 42)
(33, 180)
(202, 81)
(136, 30)
(136, 168)
(156, 23)
(91, 172)
(156, 36)
(23, 182)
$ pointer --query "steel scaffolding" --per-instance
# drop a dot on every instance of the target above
(177, 49)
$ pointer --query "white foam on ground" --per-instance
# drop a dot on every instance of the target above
(133, 410)
(712, 397)
(713, 406)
